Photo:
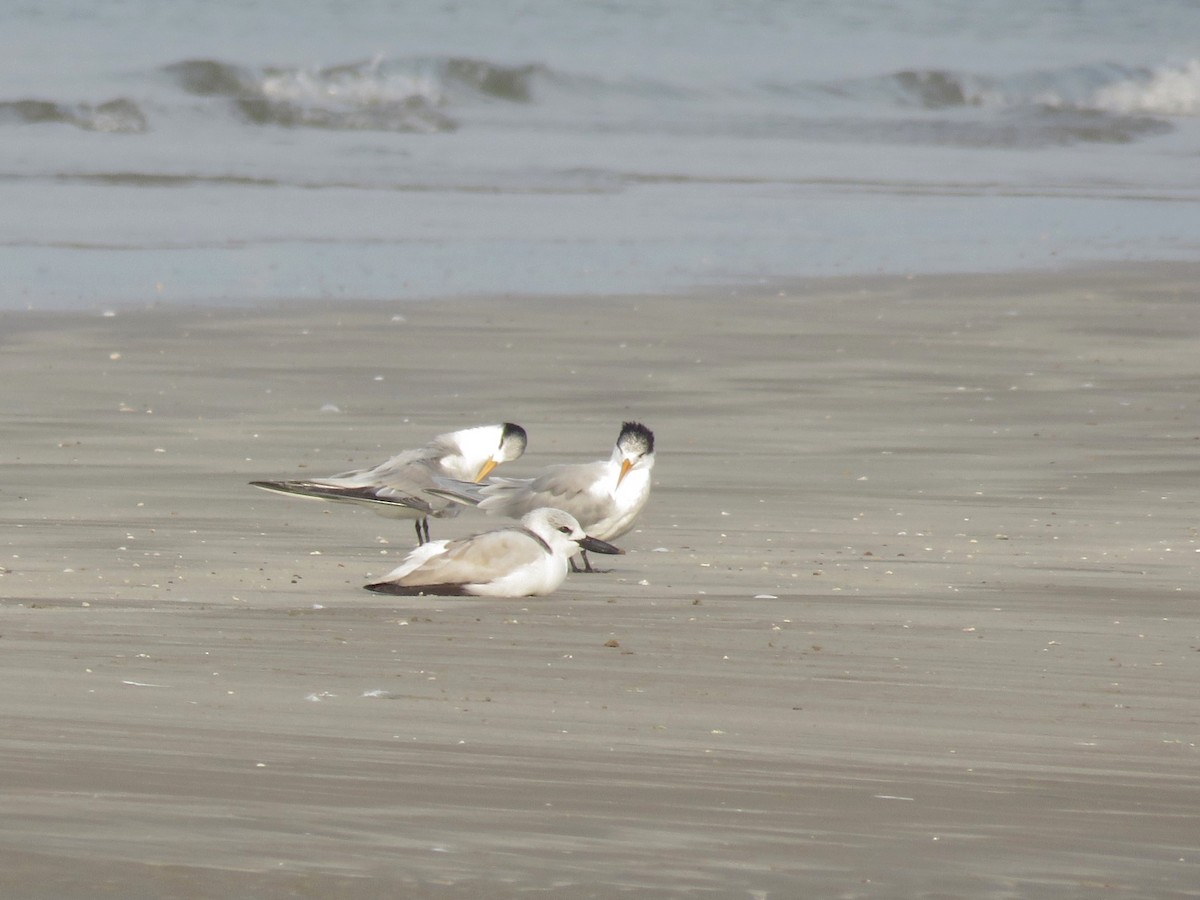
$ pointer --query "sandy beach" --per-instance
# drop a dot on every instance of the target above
(912, 611)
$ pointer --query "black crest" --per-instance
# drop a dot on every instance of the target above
(636, 436)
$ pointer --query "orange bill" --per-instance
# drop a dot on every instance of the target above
(626, 465)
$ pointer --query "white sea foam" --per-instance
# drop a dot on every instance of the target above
(353, 87)
(1165, 91)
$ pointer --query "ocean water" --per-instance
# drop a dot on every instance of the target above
(245, 151)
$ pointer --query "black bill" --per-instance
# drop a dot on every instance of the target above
(595, 545)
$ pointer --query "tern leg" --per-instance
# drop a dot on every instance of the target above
(420, 539)
(587, 565)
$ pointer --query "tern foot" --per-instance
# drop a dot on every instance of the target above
(422, 538)
(587, 566)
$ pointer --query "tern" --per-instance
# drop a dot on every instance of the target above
(398, 487)
(525, 560)
(605, 497)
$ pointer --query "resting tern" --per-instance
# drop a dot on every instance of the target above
(523, 560)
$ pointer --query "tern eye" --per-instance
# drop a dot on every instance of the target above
(564, 529)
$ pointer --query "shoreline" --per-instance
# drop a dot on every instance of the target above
(1167, 269)
(911, 608)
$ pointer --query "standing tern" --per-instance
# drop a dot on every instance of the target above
(529, 559)
(398, 487)
(605, 497)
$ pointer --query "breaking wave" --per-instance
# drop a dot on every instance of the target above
(1166, 91)
(376, 95)
(1104, 103)
(120, 116)
(1100, 103)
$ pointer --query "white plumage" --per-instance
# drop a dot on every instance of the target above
(524, 560)
(605, 497)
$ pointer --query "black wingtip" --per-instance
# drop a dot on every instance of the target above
(384, 587)
(417, 590)
(277, 487)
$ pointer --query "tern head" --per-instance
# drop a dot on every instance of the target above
(635, 449)
(562, 532)
(487, 446)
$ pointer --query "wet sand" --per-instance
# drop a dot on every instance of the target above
(912, 611)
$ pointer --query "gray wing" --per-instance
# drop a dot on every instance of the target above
(389, 469)
(477, 560)
(399, 483)
(567, 487)
(466, 493)
(331, 490)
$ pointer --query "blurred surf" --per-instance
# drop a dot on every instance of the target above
(581, 148)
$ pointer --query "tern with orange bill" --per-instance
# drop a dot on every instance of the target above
(605, 497)
(399, 487)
